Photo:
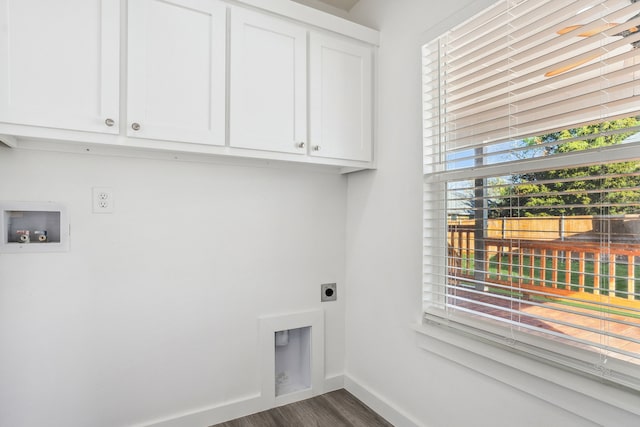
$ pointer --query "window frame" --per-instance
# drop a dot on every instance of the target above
(465, 328)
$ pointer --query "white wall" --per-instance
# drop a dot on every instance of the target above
(139, 322)
(384, 264)
(153, 311)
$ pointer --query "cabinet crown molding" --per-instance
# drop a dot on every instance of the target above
(317, 18)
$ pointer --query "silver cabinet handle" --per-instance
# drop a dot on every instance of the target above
(109, 122)
(135, 126)
(301, 144)
(316, 148)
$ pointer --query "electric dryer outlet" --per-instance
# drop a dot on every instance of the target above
(328, 292)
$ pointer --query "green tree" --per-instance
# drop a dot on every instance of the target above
(562, 191)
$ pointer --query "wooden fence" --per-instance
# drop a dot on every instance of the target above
(556, 228)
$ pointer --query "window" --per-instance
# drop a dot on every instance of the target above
(532, 181)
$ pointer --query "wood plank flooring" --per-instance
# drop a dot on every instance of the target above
(336, 409)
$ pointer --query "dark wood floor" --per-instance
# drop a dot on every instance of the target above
(336, 409)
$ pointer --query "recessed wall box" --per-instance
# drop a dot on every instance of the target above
(293, 360)
(292, 347)
(33, 227)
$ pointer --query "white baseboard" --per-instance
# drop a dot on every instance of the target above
(231, 410)
(379, 404)
(333, 383)
(213, 415)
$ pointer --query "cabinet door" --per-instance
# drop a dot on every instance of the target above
(59, 64)
(176, 70)
(340, 99)
(268, 85)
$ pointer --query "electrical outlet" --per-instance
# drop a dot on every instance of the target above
(328, 292)
(103, 201)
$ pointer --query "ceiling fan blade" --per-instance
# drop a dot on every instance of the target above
(598, 30)
(570, 66)
(589, 33)
(566, 30)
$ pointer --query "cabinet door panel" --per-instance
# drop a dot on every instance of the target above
(177, 70)
(59, 63)
(268, 83)
(340, 99)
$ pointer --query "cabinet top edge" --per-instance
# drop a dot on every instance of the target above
(317, 18)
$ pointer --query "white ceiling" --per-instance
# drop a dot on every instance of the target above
(341, 4)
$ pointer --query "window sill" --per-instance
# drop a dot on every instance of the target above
(551, 384)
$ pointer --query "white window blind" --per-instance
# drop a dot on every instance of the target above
(532, 181)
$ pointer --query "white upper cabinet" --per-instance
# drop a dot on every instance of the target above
(59, 64)
(267, 80)
(176, 70)
(340, 98)
(268, 83)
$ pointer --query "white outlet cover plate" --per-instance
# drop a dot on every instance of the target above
(102, 200)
